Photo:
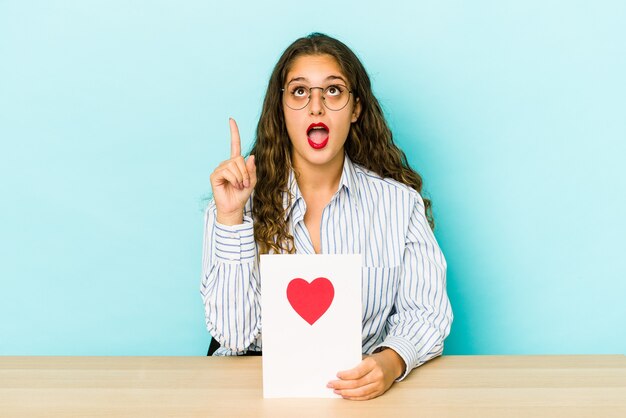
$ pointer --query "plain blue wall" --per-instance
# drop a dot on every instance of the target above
(113, 115)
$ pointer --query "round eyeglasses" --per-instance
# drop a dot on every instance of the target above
(335, 97)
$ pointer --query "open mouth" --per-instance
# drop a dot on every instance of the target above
(317, 134)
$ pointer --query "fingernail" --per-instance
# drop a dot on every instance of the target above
(246, 183)
(329, 385)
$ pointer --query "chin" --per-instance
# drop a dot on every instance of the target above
(323, 158)
(306, 154)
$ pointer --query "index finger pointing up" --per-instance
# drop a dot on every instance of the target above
(235, 142)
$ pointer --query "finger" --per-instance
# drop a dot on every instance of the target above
(351, 384)
(230, 177)
(368, 391)
(241, 166)
(363, 368)
(234, 168)
(251, 167)
(235, 141)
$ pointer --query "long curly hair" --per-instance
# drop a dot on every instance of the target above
(369, 144)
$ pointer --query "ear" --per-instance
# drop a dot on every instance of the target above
(356, 112)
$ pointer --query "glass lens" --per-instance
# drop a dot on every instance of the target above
(335, 96)
(297, 97)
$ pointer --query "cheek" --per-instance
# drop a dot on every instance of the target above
(344, 126)
(293, 125)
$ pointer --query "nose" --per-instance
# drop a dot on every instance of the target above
(316, 103)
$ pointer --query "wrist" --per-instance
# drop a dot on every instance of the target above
(395, 360)
(230, 219)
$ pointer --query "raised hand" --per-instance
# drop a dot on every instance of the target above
(233, 181)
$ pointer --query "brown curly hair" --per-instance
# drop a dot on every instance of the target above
(369, 144)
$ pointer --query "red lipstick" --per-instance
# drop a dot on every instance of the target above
(317, 135)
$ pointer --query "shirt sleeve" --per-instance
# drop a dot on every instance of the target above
(422, 316)
(230, 285)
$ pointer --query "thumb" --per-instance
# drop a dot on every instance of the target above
(251, 167)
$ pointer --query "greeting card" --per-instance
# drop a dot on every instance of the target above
(311, 322)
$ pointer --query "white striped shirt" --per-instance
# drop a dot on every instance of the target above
(405, 303)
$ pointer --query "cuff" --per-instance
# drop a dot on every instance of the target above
(235, 243)
(405, 349)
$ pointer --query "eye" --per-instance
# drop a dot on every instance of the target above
(299, 91)
(334, 90)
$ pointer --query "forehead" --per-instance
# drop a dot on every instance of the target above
(314, 68)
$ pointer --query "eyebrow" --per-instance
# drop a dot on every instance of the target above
(330, 77)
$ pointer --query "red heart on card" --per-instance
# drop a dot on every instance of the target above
(310, 300)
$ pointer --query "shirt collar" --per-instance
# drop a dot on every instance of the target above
(347, 182)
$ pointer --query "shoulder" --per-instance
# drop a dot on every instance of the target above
(369, 180)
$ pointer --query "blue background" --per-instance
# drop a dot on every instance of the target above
(113, 114)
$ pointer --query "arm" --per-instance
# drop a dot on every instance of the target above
(423, 315)
(230, 286)
(230, 282)
(420, 322)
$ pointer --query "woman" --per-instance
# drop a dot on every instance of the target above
(327, 178)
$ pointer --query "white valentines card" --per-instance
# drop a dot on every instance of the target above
(311, 322)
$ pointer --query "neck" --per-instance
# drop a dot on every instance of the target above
(319, 179)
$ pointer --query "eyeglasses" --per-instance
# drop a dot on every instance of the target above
(335, 97)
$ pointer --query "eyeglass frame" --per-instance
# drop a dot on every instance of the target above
(323, 97)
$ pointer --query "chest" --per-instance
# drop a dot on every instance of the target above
(339, 228)
(312, 221)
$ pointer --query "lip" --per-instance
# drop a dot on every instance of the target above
(316, 125)
(315, 145)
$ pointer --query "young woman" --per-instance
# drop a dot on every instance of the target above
(325, 177)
